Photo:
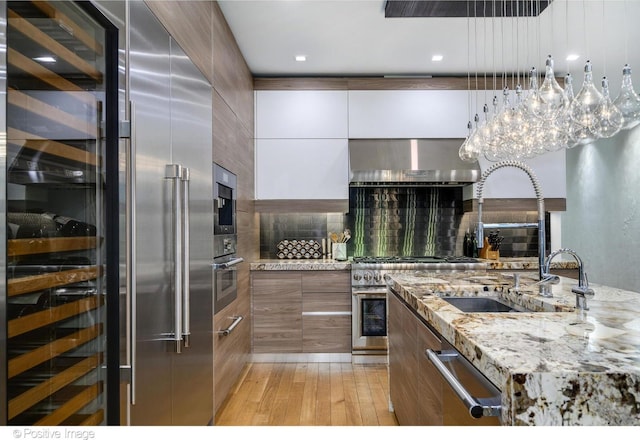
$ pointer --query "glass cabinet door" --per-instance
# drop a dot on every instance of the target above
(56, 178)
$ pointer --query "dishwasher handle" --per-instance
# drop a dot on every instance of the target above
(478, 407)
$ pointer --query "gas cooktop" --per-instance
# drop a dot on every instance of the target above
(413, 259)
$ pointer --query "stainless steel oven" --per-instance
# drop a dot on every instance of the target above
(225, 275)
(225, 278)
(369, 296)
(369, 321)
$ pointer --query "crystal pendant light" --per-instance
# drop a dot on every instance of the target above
(564, 121)
(628, 102)
(609, 118)
(468, 151)
(553, 98)
(533, 103)
(583, 109)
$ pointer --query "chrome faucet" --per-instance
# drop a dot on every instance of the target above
(582, 290)
(541, 213)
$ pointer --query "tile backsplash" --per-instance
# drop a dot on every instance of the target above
(429, 221)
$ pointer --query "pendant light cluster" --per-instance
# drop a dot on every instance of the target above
(526, 123)
(550, 118)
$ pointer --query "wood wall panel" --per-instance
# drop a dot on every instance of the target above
(372, 83)
(515, 204)
(231, 75)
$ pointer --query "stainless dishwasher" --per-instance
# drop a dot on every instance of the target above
(468, 397)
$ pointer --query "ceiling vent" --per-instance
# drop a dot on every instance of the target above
(464, 8)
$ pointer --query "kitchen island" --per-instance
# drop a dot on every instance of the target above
(554, 366)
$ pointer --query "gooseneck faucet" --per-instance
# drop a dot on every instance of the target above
(582, 290)
(541, 213)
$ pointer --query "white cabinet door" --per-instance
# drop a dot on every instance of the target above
(302, 169)
(505, 183)
(300, 114)
(406, 114)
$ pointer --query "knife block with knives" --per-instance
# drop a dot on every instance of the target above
(491, 247)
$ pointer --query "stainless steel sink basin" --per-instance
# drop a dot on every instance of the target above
(481, 304)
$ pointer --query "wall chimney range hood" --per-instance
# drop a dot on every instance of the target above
(417, 162)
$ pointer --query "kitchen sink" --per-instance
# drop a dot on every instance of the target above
(482, 304)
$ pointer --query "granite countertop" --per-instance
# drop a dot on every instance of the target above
(525, 263)
(301, 264)
(558, 367)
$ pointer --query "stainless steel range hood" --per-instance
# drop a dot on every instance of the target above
(429, 162)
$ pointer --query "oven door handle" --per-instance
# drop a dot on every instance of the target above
(227, 265)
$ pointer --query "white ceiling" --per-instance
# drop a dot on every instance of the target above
(353, 38)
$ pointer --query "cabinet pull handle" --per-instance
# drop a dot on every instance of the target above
(234, 324)
(477, 407)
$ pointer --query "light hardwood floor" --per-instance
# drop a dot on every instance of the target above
(307, 394)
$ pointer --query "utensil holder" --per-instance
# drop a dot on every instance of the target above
(339, 251)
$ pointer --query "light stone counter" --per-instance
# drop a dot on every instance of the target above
(302, 264)
(523, 263)
(560, 367)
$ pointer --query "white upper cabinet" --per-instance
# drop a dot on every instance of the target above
(301, 114)
(507, 183)
(302, 169)
(403, 114)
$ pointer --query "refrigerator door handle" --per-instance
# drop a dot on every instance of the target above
(186, 262)
(131, 257)
(174, 172)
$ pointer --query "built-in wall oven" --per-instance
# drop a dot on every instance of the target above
(369, 297)
(225, 240)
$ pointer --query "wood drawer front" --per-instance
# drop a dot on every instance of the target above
(326, 302)
(326, 281)
(430, 381)
(326, 334)
(230, 352)
(277, 313)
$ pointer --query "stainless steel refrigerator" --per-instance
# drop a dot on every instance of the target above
(167, 206)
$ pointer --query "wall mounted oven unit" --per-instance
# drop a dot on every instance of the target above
(225, 279)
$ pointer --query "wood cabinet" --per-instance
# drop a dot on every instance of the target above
(415, 385)
(301, 311)
(418, 393)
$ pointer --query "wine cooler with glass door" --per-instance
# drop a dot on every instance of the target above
(59, 179)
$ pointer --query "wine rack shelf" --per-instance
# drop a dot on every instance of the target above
(34, 283)
(33, 395)
(50, 316)
(32, 246)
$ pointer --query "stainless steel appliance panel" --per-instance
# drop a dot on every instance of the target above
(150, 93)
(191, 120)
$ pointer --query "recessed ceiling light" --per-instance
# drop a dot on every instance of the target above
(572, 57)
(45, 59)
(301, 58)
(437, 58)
